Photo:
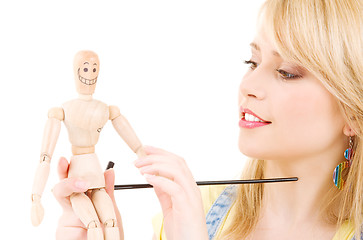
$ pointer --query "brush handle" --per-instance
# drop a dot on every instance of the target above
(203, 183)
(223, 182)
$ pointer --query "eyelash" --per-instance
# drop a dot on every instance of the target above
(286, 75)
(253, 65)
(283, 74)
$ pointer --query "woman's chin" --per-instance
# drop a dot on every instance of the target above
(249, 151)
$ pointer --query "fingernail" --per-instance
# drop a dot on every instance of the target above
(82, 185)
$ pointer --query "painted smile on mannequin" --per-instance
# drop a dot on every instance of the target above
(86, 70)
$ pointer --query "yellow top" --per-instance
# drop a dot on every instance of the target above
(211, 193)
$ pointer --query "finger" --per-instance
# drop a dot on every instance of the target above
(71, 233)
(69, 225)
(164, 198)
(63, 166)
(185, 181)
(168, 171)
(67, 187)
(154, 150)
(110, 181)
(172, 168)
(157, 158)
(163, 185)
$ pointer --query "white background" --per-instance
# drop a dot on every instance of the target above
(172, 67)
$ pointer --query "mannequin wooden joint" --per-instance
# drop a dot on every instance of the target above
(56, 113)
(110, 223)
(45, 158)
(93, 224)
(114, 112)
(36, 197)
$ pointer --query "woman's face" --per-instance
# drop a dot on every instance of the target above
(300, 118)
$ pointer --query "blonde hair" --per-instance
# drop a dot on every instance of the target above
(324, 36)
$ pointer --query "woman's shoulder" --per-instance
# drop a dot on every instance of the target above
(210, 195)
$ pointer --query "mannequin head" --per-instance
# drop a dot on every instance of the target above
(86, 67)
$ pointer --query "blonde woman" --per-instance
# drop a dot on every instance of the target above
(301, 107)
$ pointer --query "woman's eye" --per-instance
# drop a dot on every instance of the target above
(253, 65)
(94, 70)
(85, 69)
(286, 75)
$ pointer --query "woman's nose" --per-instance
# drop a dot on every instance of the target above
(253, 85)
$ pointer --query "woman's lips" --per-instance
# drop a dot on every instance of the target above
(250, 120)
(246, 124)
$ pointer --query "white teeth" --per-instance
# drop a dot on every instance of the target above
(248, 117)
(87, 81)
(251, 118)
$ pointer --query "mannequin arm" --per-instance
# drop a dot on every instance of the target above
(50, 137)
(124, 129)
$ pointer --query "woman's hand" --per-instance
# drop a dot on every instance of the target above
(69, 225)
(179, 196)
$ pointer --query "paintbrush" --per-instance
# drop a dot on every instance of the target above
(203, 183)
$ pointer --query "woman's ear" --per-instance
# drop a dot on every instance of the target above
(348, 131)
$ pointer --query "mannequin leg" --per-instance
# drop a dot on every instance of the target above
(106, 213)
(84, 209)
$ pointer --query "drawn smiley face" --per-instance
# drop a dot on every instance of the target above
(86, 67)
(88, 73)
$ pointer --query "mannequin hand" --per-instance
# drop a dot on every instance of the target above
(178, 194)
(69, 226)
(37, 211)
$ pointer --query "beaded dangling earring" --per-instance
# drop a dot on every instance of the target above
(338, 177)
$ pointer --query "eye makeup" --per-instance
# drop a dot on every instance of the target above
(287, 75)
(290, 71)
(253, 64)
(285, 72)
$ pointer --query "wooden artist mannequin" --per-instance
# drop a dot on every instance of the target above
(84, 119)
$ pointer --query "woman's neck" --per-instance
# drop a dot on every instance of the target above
(295, 202)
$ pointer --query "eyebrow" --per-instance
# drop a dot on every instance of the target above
(95, 64)
(85, 63)
(257, 48)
